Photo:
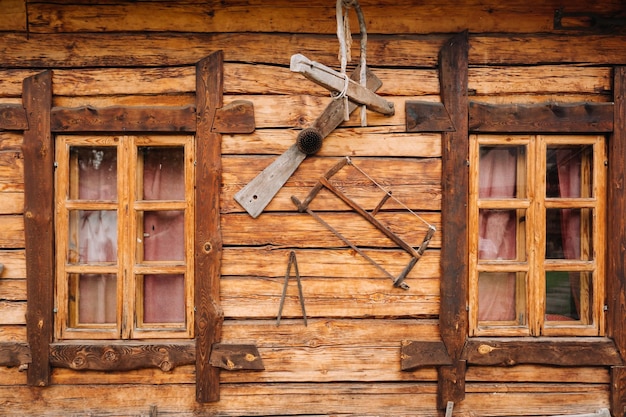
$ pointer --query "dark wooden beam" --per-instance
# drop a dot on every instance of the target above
(121, 356)
(208, 238)
(14, 354)
(616, 239)
(541, 118)
(426, 116)
(38, 151)
(557, 351)
(453, 76)
(124, 119)
(236, 357)
(13, 117)
(236, 117)
(417, 354)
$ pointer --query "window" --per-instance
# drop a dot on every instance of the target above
(536, 227)
(124, 240)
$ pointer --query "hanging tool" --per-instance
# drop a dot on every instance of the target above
(294, 262)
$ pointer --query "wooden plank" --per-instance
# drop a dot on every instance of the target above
(305, 232)
(548, 117)
(13, 16)
(453, 72)
(12, 289)
(11, 171)
(525, 373)
(235, 117)
(122, 356)
(123, 119)
(14, 263)
(95, 50)
(38, 152)
(11, 141)
(333, 297)
(12, 236)
(12, 117)
(14, 354)
(398, 17)
(616, 261)
(547, 351)
(416, 354)
(307, 399)
(12, 312)
(423, 116)
(208, 238)
(236, 357)
(11, 202)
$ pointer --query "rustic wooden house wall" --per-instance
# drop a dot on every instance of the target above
(347, 361)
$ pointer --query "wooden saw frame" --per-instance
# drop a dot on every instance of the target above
(324, 182)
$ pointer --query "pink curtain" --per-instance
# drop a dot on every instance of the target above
(497, 234)
(163, 234)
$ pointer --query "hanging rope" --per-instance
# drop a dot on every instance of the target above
(344, 35)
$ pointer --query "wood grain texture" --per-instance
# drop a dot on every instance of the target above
(548, 351)
(548, 118)
(455, 185)
(417, 354)
(14, 354)
(236, 357)
(12, 117)
(208, 236)
(122, 356)
(38, 152)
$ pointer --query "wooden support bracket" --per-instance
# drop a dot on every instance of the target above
(417, 354)
(426, 116)
(236, 357)
(13, 117)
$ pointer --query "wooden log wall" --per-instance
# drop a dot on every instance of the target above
(347, 360)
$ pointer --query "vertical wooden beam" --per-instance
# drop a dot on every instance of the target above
(38, 150)
(453, 78)
(616, 241)
(208, 238)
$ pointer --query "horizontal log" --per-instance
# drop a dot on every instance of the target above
(548, 118)
(588, 351)
(236, 357)
(422, 116)
(398, 17)
(12, 289)
(14, 263)
(11, 171)
(538, 373)
(11, 202)
(417, 354)
(123, 119)
(123, 356)
(259, 298)
(11, 141)
(14, 354)
(95, 50)
(12, 312)
(13, 117)
(235, 117)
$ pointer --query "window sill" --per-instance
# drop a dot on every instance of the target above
(558, 351)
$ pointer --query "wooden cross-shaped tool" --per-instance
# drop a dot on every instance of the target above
(258, 193)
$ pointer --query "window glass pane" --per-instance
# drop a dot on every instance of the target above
(93, 299)
(569, 234)
(93, 173)
(502, 172)
(499, 237)
(569, 171)
(164, 299)
(569, 296)
(502, 297)
(92, 236)
(163, 173)
(163, 236)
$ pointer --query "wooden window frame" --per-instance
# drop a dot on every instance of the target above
(456, 350)
(530, 236)
(44, 121)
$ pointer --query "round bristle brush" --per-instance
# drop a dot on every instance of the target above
(309, 141)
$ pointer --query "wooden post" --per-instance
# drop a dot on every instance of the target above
(453, 76)
(616, 241)
(38, 150)
(208, 239)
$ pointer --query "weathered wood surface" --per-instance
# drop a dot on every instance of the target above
(399, 17)
(310, 399)
(41, 50)
(14, 354)
(121, 356)
(236, 357)
(38, 152)
(418, 354)
(422, 116)
(12, 117)
(208, 237)
(548, 117)
(559, 351)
